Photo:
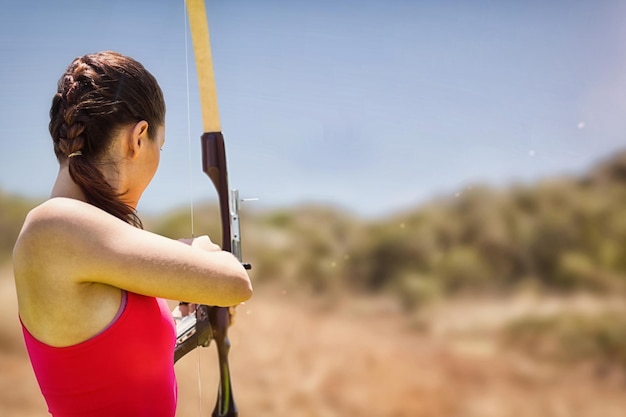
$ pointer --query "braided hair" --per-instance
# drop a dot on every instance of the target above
(97, 96)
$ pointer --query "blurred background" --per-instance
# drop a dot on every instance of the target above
(441, 186)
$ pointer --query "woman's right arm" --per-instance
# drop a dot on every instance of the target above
(77, 241)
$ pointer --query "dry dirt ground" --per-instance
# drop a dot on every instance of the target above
(292, 356)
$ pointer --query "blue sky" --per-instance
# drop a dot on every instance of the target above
(371, 105)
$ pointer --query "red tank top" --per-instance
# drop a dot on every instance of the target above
(127, 370)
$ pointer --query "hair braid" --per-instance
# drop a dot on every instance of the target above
(99, 94)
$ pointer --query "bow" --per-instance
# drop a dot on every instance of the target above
(211, 323)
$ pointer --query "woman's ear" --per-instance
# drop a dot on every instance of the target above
(138, 138)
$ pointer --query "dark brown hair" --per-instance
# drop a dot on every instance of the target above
(98, 95)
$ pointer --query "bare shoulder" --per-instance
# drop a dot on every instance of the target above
(49, 259)
(58, 225)
(58, 214)
(43, 221)
(74, 242)
(69, 240)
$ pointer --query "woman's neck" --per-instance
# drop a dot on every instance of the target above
(64, 186)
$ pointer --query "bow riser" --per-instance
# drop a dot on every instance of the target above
(214, 165)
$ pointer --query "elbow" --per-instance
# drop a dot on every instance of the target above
(241, 289)
(247, 292)
(246, 288)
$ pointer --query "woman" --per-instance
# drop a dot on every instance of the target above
(90, 281)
